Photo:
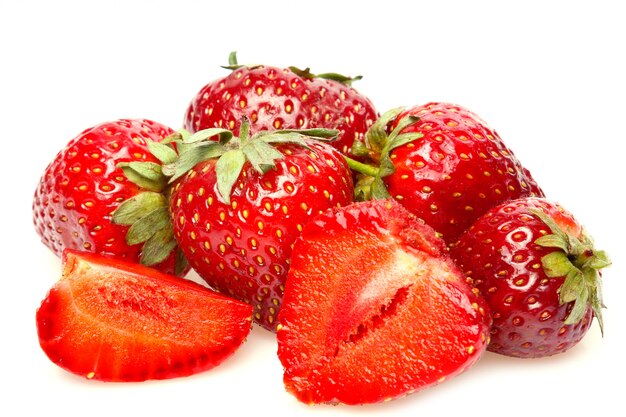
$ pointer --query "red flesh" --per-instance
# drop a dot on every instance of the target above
(374, 309)
(116, 321)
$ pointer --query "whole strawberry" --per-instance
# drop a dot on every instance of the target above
(443, 163)
(86, 183)
(538, 270)
(239, 203)
(274, 98)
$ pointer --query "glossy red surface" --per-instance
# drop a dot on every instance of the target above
(82, 186)
(500, 258)
(457, 171)
(243, 248)
(274, 98)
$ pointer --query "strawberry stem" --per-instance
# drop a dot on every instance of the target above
(362, 168)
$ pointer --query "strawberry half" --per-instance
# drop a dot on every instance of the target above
(374, 308)
(111, 320)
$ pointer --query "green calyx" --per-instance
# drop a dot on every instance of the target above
(580, 264)
(342, 79)
(233, 64)
(147, 213)
(377, 146)
(304, 73)
(233, 152)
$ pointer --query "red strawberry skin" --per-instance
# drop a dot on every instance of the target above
(243, 248)
(82, 186)
(112, 320)
(374, 308)
(501, 259)
(274, 98)
(457, 171)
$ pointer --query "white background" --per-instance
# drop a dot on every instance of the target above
(549, 76)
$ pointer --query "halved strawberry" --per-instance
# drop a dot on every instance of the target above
(374, 308)
(112, 320)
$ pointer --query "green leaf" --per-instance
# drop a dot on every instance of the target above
(388, 116)
(227, 169)
(403, 123)
(600, 259)
(174, 137)
(343, 79)
(549, 221)
(176, 141)
(191, 157)
(232, 62)
(597, 305)
(579, 309)
(379, 191)
(557, 264)
(317, 133)
(232, 58)
(403, 139)
(359, 149)
(244, 130)
(303, 73)
(575, 246)
(552, 241)
(164, 153)
(181, 262)
(376, 138)
(386, 166)
(145, 227)
(261, 155)
(137, 207)
(284, 137)
(572, 286)
(158, 247)
(146, 175)
(307, 74)
(203, 135)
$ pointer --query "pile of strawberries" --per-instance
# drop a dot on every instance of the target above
(387, 253)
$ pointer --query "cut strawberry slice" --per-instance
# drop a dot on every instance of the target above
(374, 308)
(117, 321)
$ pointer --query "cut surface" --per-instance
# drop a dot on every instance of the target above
(373, 309)
(115, 321)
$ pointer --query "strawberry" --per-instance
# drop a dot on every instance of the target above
(77, 195)
(538, 271)
(239, 203)
(443, 163)
(113, 320)
(374, 308)
(274, 98)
